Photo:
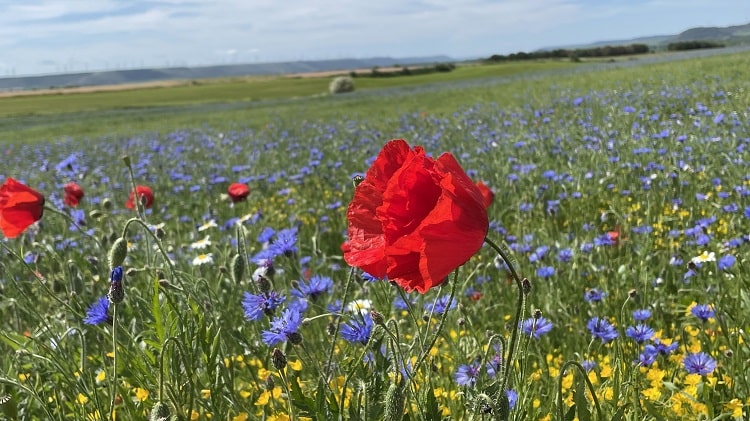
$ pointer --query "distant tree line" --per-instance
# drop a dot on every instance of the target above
(606, 51)
(693, 45)
(406, 71)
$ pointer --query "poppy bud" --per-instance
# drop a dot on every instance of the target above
(632, 293)
(107, 203)
(394, 403)
(95, 214)
(126, 160)
(117, 253)
(278, 359)
(238, 268)
(160, 233)
(160, 412)
(537, 314)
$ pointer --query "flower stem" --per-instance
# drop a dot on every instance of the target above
(426, 348)
(114, 362)
(519, 310)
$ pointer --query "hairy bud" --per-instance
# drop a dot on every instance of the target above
(117, 253)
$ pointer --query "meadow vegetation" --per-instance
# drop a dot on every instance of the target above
(621, 195)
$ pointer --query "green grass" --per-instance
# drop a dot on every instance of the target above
(39, 117)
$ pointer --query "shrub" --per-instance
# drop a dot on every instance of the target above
(341, 84)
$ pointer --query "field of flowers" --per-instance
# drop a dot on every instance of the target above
(579, 256)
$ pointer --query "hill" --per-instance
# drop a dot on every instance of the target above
(729, 35)
(136, 76)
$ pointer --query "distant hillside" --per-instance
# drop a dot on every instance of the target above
(730, 35)
(116, 77)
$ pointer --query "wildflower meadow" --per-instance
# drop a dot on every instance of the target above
(575, 250)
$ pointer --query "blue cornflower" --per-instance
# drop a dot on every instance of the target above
(466, 374)
(602, 329)
(494, 365)
(282, 328)
(640, 332)
(702, 311)
(512, 397)
(641, 314)
(440, 305)
(285, 242)
(400, 304)
(565, 255)
(97, 313)
(315, 287)
(648, 356)
(726, 262)
(542, 327)
(266, 235)
(257, 305)
(588, 365)
(699, 363)
(369, 278)
(545, 272)
(358, 329)
(594, 295)
(665, 349)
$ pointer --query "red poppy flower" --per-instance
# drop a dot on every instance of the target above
(73, 194)
(615, 236)
(414, 219)
(238, 192)
(488, 196)
(145, 195)
(20, 206)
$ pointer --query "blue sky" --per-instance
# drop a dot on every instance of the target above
(54, 36)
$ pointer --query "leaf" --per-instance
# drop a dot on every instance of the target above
(620, 412)
(652, 410)
(305, 404)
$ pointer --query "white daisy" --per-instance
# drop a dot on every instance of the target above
(704, 257)
(361, 306)
(201, 244)
(202, 259)
(210, 224)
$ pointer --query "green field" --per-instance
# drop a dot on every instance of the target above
(621, 194)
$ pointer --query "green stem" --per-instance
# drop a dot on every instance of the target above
(426, 349)
(335, 335)
(282, 374)
(114, 362)
(519, 310)
(159, 245)
(588, 384)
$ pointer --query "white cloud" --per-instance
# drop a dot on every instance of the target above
(159, 32)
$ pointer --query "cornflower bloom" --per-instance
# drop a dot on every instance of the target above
(315, 287)
(97, 312)
(699, 363)
(283, 328)
(602, 329)
(466, 374)
(264, 303)
(641, 333)
(702, 311)
(358, 329)
(542, 327)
